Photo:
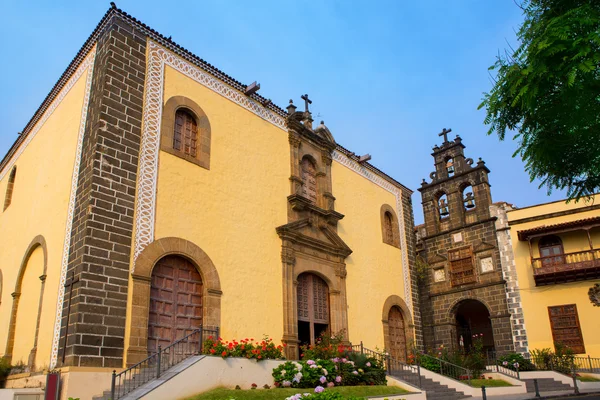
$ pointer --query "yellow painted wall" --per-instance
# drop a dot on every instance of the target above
(28, 306)
(247, 181)
(39, 207)
(374, 268)
(536, 300)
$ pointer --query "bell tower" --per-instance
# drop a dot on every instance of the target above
(464, 293)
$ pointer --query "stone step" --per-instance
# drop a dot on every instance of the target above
(546, 385)
(434, 390)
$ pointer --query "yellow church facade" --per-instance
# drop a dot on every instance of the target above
(152, 194)
(557, 258)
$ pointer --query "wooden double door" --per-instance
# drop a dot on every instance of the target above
(397, 334)
(175, 302)
(313, 308)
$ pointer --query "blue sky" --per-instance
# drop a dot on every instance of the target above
(386, 76)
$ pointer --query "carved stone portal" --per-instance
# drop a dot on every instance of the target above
(310, 243)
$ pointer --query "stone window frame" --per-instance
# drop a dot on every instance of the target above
(10, 187)
(167, 130)
(387, 209)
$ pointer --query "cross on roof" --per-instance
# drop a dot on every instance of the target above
(307, 101)
(445, 133)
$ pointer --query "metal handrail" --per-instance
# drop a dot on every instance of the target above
(448, 369)
(408, 373)
(156, 363)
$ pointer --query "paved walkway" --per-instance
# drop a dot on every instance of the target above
(584, 394)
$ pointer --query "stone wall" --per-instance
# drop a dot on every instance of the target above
(101, 238)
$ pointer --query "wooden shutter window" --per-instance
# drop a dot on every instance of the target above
(185, 137)
(462, 270)
(564, 322)
(388, 228)
(10, 187)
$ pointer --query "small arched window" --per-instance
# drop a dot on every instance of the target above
(185, 136)
(450, 167)
(389, 226)
(468, 198)
(10, 187)
(443, 207)
(551, 251)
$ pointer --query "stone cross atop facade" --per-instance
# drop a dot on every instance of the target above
(307, 101)
(445, 133)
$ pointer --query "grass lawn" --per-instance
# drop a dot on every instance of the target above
(489, 383)
(587, 378)
(280, 394)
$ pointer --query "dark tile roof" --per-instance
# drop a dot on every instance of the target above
(564, 226)
(179, 50)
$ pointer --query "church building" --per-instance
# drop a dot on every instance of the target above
(151, 194)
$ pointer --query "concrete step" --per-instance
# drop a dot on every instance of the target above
(434, 390)
(546, 385)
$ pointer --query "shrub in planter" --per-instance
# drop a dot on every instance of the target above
(326, 347)
(511, 360)
(245, 348)
(5, 368)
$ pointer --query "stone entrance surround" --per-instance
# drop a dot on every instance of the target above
(140, 290)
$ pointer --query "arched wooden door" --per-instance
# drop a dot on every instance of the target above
(397, 332)
(175, 301)
(313, 308)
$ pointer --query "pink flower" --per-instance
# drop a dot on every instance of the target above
(330, 384)
(368, 364)
(338, 379)
(323, 379)
(355, 372)
(319, 389)
(310, 362)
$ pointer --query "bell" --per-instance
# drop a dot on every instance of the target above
(450, 166)
(444, 211)
(469, 201)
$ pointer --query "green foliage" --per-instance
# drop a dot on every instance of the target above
(489, 383)
(352, 370)
(475, 360)
(511, 360)
(5, 368)
(562, 360)
(326, 347)
(548, 90)
(245, 348)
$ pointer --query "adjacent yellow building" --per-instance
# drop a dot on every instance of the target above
(557, 256)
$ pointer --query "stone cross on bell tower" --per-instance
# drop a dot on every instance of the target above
(445, 133)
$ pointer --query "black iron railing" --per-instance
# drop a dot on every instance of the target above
(408, 373)
(157, 363)
(445, 368)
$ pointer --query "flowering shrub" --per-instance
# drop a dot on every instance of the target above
(351, 370)
(511, 360)
(326, 347)
(245, 348)
(322, 394)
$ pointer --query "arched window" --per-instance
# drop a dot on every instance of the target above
(443, 206)
(309, 179)
(450, 167)
(468, 198)
(551, 251)
(389, 226)
(10, 187)
(185, 136)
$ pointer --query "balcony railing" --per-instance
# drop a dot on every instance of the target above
(567, 267)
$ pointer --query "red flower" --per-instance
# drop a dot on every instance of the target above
(212, 351)
(224, 353)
